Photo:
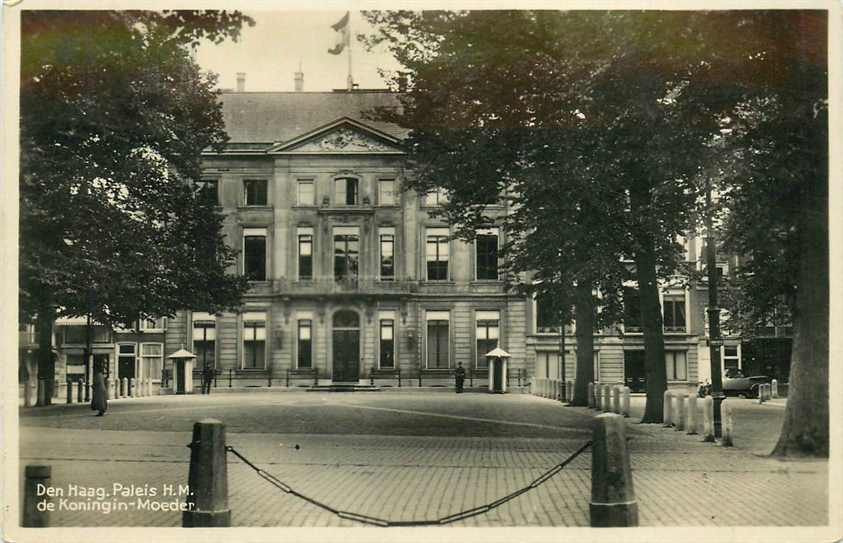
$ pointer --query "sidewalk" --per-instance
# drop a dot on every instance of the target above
(679, 480)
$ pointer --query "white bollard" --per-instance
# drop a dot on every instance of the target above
(774, 389)
(570, 391)
(667, 409)
(591, 395)
(625, 405)
(728, 425)
(680, 412)
(760, 394)
(708, 419)
(691, 422)
(27, 392)
(606, 399)
(616, 400)
(124, 390)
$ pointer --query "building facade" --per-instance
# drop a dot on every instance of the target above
(351, 277)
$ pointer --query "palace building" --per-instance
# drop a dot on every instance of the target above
(353, 279)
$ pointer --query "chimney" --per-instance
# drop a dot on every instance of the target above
(241, 81)
(299, 79)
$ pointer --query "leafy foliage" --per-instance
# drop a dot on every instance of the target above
(114, 117)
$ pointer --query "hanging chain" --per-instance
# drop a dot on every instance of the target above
(374, 521)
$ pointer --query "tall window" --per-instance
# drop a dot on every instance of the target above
(305, 242)
(387, 342)
(436, 198)
(346, 252)
(204, 339)
(153, 360)
(254, 340)
(305, 344)
(436, 254)
(488, 333)
(631, 310)
(346, 191)
(208, 189)
(673, 311)
(486, 246)
(676, 364)
(386, 192)
(387, 250)
(254, 192)
(547, 315)
(305, 195)
(731, 357)
(437, 339)
(254, 254)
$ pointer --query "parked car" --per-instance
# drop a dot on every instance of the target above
(735, 383)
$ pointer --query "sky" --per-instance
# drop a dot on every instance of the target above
(269, 53)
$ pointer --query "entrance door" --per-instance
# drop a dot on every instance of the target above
(634, 374)
(126, 361)
(346, 346)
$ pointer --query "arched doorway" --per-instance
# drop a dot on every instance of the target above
(346, 346)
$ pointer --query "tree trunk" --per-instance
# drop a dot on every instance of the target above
(651, 322)
(805, 429)
(584, 314)
(46, 361)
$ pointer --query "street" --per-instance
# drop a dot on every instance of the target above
(414, 455)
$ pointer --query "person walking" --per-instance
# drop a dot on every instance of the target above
(99, 400)
(459, 377)
(207, 378)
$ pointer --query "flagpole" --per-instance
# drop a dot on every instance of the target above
(350, 80)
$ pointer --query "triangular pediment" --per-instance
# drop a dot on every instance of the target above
(344, 136)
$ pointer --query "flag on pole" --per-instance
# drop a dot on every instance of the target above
(341, 28)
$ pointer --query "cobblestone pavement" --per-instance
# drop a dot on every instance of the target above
(403, 456)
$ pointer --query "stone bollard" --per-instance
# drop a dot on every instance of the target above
(32, 517)
(625, 401)
(27, 393)
(591, 395)
(728, 425)
(691, 422)
(667, 409)
(768, 388)
(69, 398)
(680, 412)
(605, 398)
(616, 400)
(133, 386)
(149, 386)
(80, 392)
(124, 387)
(569, 391)
(708, 419)
(774, 388)
(142, 387)
(207, 478)
(613, 502)
(760, 394)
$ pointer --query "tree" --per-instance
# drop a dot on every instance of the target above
(114, 117)
(775, 196)
(610, 113)
(494, 113)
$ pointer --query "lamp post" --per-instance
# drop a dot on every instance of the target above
(714, 339)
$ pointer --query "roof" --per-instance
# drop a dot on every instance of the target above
(253, 118)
